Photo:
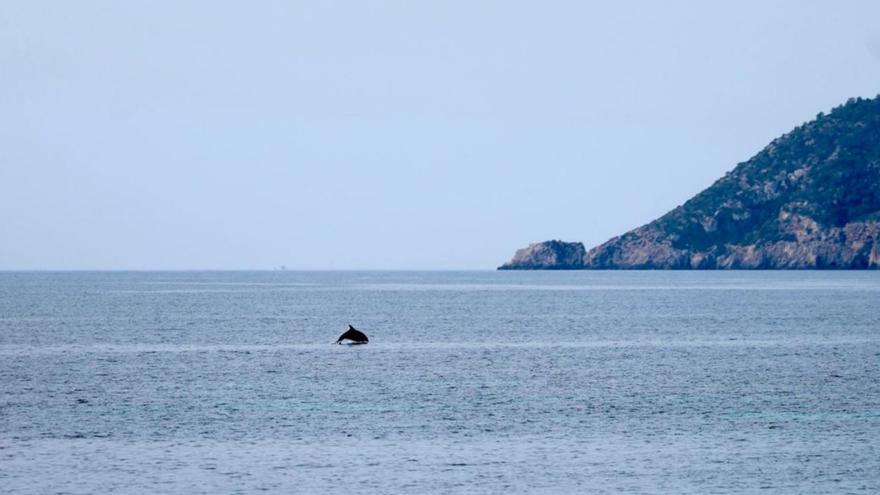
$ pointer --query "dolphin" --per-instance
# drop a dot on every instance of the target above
(354, 335)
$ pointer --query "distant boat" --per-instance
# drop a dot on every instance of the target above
(353, 336)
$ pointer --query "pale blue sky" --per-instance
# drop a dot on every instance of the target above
(398, 135)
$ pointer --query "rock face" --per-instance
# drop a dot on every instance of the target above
(810, 199)
(549, 255)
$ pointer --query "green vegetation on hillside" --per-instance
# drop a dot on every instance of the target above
(827, 169)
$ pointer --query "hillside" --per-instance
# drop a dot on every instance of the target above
(810, 199)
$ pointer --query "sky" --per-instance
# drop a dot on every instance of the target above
(389, 134)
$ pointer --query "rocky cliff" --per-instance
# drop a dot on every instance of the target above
(549, 255)
(810, 199)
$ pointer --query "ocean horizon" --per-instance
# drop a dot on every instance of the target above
(477, 381)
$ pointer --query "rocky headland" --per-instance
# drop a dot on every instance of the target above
(810, 199)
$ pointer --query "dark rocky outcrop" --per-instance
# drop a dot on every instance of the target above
(810, 199)
(549, 255)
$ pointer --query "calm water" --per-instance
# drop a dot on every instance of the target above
(553, 382)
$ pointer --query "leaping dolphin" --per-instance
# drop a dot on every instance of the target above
(354, 335)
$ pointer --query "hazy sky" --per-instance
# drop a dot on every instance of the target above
(428, 135)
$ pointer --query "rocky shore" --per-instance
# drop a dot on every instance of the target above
(809, 200)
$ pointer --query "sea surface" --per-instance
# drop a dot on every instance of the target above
(473, 382)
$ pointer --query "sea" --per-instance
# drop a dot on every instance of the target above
(473, 382)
